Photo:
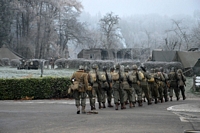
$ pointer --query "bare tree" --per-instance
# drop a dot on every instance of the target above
(109, 27)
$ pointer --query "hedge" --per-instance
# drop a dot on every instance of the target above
(34, 88)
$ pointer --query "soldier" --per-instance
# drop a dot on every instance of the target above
(118, 91)
(52, 60)
(90, 91)
(96, 83)
(107, 90)
(128, 90)
(181, 83)
(134, 79)
(159, 79)
(153, 86)
(165, 84)
(144, 84)
(80, 81)
(173, 83)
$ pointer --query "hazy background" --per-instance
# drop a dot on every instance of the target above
(132, 7)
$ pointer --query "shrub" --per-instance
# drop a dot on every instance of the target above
(39, 88)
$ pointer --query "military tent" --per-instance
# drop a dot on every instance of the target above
(188, 58)
(164, 56)
(7, 53)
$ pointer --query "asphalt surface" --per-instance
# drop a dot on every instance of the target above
(59, 116)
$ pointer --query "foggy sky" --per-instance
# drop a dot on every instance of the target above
(139, 7)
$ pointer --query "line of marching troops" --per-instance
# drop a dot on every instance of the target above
(127, 85)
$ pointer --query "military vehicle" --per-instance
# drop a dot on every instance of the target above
(29, 64)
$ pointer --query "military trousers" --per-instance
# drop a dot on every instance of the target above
(107, 94)
(182, 89)
(80, 98)
(128, 95)
(174, 89)
(98, 92)
(138, 91)
(145, 89)
(118, 93)
(165, 91)
(154, 90)
(91, 95)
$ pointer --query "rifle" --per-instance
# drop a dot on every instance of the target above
(107, 79)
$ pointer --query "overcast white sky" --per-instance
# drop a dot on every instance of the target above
(132, 7)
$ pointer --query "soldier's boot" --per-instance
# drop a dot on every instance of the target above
(109, 104)
(131, 105)
(144, 99)
(100, 105)
(126, 102)
(149, 101)
(166, 99)
(78, 109)
(104, 106)
(184, 97)
(116, 106)
(123, 106)
(170, 98)
(140, 103)
(93, 107)
(156, 100)
(161, 99)
(83, 110)
(177, 98)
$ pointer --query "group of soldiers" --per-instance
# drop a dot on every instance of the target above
(126, 84)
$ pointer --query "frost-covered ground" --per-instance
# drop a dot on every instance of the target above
(7, 72)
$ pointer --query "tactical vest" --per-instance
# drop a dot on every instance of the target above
(102, 76)
(115, 76)
(172, 76)
(151, 78)
(93, 77)
(125, 84)
(132, 77)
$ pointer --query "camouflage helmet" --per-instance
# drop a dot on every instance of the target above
(87, 69)
(179, 71)
(126, 69)
(157, 70)
(117, 66)
(94, 66)
(134, 67)
(104, 68)
(112, 68)
(81, 67)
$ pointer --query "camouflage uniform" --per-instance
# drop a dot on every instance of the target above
(134, 79)
(128, 90)
(173, 83)
(145, 86)
(159, 79)
(118, 91)
(80, 94)
(90, 92)
(165, 84)
(153, 86)
(181, 83)
(96, 84)
(107, 91)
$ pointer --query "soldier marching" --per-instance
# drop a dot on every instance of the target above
(125, 84)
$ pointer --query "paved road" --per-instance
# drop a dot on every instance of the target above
(59, 116)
